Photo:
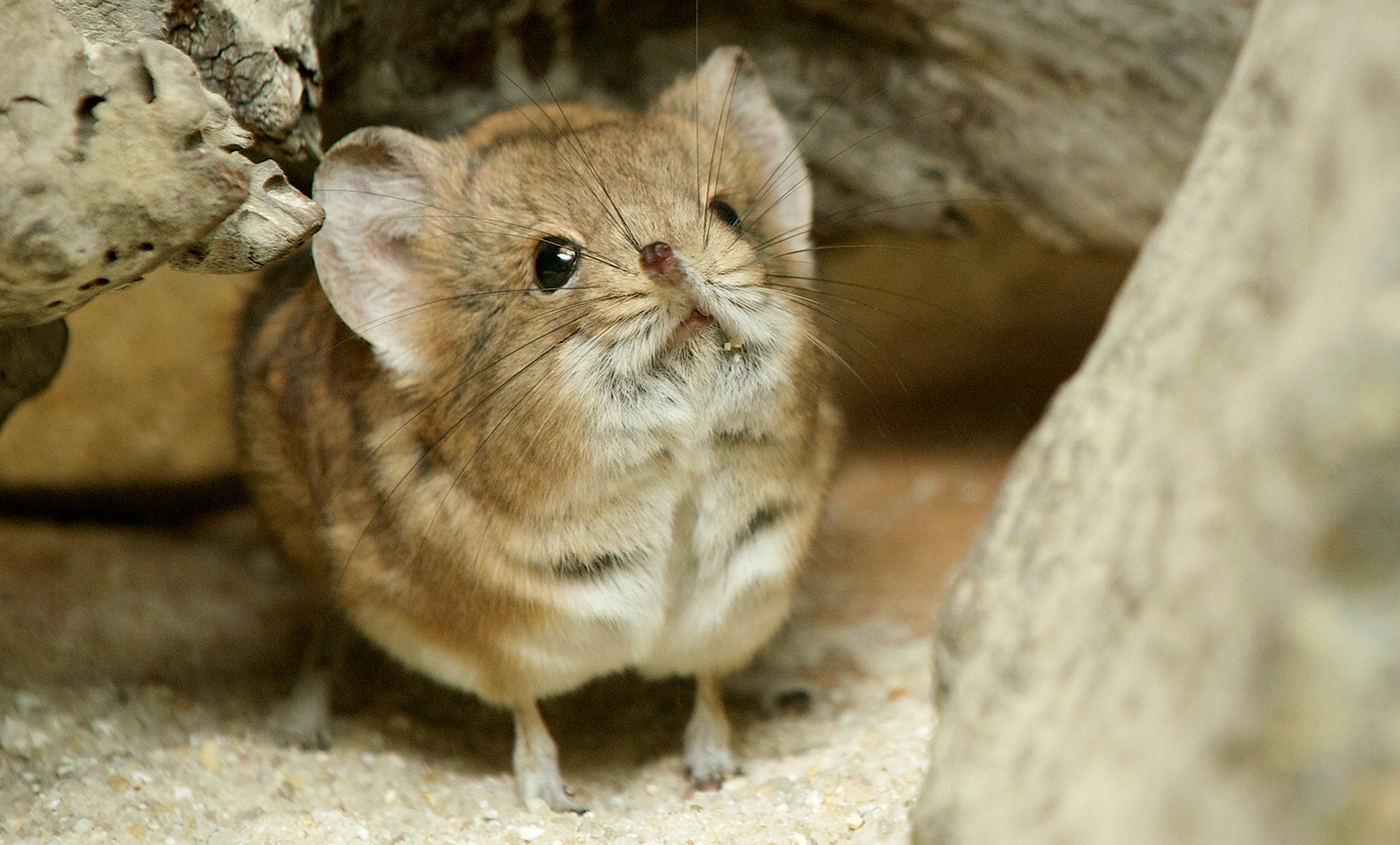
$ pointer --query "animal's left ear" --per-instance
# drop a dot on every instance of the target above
(727, 96)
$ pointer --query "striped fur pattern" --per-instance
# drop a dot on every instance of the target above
(514, 487)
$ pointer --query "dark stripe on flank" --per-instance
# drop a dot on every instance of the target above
(762, 519)
(598, 566)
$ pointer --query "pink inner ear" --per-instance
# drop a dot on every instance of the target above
(374, 194)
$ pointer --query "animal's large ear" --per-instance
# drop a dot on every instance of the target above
(727, 96)
(373, 185)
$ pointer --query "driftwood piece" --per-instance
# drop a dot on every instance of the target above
(271, 223)
(259, 55)
(1079, 116)
(256, 54)
(113, 159)
(1181, 623)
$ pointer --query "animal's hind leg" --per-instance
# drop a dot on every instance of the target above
(708, 760)
(304, 717)
(537, 762)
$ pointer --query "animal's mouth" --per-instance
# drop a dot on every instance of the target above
(692, 325)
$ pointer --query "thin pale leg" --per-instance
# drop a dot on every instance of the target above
(537, 762)
(708, 760)
(304, 717)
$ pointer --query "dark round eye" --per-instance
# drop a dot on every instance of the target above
(556, 262)
(727, 215)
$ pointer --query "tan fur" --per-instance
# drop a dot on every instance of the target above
(443, 474)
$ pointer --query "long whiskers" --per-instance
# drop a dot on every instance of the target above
(801, 296)
(606, 201)
(466, 464)
(508, 228)
(717, 151)
(452, 391)
(428, 450)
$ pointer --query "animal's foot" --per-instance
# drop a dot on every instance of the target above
(537, 764)
(708, 760)
(304, 718)
(710, 777)
(542, 797)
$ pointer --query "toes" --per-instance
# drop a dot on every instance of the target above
(710, 777)
(706, 782)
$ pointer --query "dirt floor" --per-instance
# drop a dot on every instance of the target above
(137, 667)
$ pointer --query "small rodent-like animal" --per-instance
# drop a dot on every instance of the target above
(558, 407)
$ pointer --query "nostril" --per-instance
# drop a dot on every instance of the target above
(658, 259)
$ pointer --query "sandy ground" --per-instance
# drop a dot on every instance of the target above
(137, 667)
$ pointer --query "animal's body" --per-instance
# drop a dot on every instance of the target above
(556, 408)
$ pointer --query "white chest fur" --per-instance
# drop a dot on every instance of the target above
(673, 556)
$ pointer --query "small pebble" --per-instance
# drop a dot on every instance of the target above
(854, 821)
(209, 755)
(529, 832)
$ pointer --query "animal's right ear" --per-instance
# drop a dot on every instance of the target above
(374, 187)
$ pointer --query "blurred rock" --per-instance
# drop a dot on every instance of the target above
(29, 358)
(1079, 116)
(93, 605)
(1181, 622)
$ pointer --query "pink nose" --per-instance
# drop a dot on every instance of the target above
(659, 261)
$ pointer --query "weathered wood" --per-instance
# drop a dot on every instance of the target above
(112, 159)
(115, 159)
(259, 56)
(1181, 623)
(256, 54)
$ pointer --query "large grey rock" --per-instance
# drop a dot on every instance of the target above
(1181, 623)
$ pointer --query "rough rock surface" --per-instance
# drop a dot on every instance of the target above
(1181, 623)
(112, 159)
(259, 55)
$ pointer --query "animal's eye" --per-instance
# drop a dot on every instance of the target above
(556, 262)
(727, 215)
